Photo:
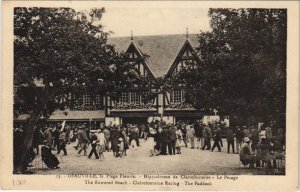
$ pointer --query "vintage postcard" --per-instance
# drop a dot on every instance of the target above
(150, 95)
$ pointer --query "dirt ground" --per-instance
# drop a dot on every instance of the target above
(138, 162)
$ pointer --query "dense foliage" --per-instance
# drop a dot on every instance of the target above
(58, 51)
(243, 65)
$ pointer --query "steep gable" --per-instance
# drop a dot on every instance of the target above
(136, 55)
(161, 49)
(186, 55)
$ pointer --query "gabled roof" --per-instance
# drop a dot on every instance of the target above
(133, 47)
(186, 46)
(161, 49)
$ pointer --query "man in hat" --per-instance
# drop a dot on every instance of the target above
(230, 139)
(239, 138)
(207, 134)
(246, 131)
(83, 140)
(245, 154)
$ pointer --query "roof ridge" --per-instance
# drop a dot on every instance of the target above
(183, 34)
(161, 49)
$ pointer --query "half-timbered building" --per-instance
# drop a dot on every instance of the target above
(154, 57)
(163, 56)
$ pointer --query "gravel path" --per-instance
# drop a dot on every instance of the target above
(191, 161)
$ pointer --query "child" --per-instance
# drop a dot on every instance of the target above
(121, 148)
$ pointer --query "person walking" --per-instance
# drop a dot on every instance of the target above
(56, 134)
(217, 139)
(115, 135)
(230, 139)
(83, 141)
(143, 129)
(207, 137)
(62, 142)
(94, 142)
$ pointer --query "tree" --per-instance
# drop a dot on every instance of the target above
(58, 51)
(243, 65)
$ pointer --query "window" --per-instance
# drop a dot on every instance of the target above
(124, 97)
(134, 97)
(177, 96)
(78, 100)
(87, 99)
(144, 96)
(98, 99)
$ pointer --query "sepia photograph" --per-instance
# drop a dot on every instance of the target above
(155, 91)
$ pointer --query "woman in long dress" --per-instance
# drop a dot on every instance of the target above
(101, 144)
(178, 140)
(125, 140)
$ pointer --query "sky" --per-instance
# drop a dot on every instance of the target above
(154, 20)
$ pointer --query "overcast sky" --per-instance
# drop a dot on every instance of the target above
(157, 19)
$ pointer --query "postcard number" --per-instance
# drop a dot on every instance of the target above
(19, 182)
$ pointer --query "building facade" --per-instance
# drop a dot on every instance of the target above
(154, 57)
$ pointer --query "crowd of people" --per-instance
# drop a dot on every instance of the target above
(165, 139)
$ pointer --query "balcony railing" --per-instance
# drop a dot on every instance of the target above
(87, 107)
(127, 106)
(180, 105)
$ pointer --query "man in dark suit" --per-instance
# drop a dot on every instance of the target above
(230, 139)
(164, 141)
(171, 140)
(55, 134)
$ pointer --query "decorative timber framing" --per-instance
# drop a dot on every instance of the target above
(186, 54)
